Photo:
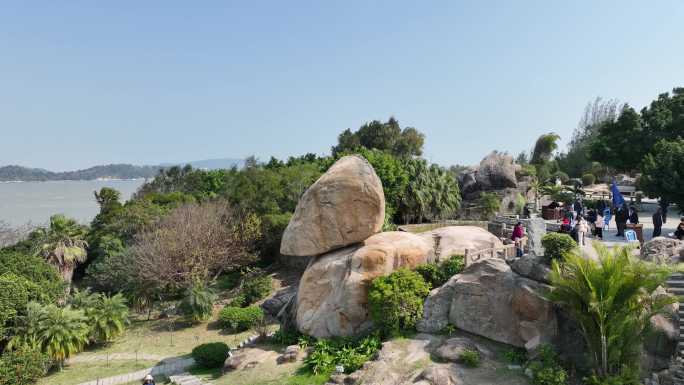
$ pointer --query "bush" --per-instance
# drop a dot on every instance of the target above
(470, 358)
(588, 179)
(516, 356)
(240, 318)
(22, 366)
(556, 245)
(47, 284)
(396, 301)
(545, 368)
(197, 304)
(490, 204)
(256, 288)
(14, 295)
(349, 353)
(437, 274)
(211, 355)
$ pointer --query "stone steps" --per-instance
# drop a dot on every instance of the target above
(675, 286)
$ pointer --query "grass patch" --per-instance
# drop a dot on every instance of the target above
(87, 371)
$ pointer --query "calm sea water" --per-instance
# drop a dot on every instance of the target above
(35, 202)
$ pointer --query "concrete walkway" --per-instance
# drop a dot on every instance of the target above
(167, 368)
(114, 357)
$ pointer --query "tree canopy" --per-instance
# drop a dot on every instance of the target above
(388, 137)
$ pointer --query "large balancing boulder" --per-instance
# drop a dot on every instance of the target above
(333, 292)
(497, 171)
(344, 206)
(490, 300)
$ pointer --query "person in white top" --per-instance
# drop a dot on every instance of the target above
(582, 229)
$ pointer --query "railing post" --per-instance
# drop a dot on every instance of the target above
(467, 262)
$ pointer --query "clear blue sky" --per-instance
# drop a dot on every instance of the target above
(93, 82)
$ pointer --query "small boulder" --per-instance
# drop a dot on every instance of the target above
(344, 206)
(452, 349)
(274, 304)
(662, 250)
(532, 267)
(233, 362)
(439, 375)
(290, 354)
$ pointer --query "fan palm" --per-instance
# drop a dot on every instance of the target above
(612, 301)
(107, 317)
(198, 303)
(28, 327)
(64, 331)
(62, 244)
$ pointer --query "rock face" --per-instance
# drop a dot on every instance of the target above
(662, 250)
(344, 206)
(532, 267)
(497, 171)
(333, 293)
(454, 240)
(490, 300)
(452, 349)
(273, 305)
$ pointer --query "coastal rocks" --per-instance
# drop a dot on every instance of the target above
(333, 292)
(452, 349)
(455, 240)
(490, 300)
(662, 250)
(344, 206)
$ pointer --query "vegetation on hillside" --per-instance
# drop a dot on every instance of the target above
(114, 171)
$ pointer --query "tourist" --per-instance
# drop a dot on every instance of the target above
(621, 216)
(581, 230)
(598, 226)
(148, 380)
(577, 207)
(679, 234)
(565, 225)
(633, 216)
(518, 234)
(657, 222)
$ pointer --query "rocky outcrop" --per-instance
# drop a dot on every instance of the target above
(532, 267)
(662, 250)
(454, 240)
(333, 293)
(497, 171)
(344, 206)
(274, 304)
(490, 300)
(452, 349)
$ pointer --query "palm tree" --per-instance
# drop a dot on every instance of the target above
(612, 301)
(198, 303)
(64, 331)
(62, 244)
(107, 317)
(27, 328)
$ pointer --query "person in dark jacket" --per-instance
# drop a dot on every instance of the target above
(621, 216)
(657, 222)
(633, 215)
(679, 234)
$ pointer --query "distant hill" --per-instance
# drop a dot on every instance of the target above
(110, 171)
(210, 164)
(14, 173)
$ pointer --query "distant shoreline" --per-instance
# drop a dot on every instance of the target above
(76, 180)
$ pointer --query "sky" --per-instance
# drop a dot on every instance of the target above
(94, 82)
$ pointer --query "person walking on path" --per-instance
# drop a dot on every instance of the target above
(657, 222)
(582, 229)
(598, 224)
(518, 234)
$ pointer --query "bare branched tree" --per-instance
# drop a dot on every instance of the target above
(9, 235)
(195, 242)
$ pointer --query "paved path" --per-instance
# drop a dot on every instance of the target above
(114, 357)
(169, 367)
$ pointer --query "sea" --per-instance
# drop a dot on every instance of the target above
(34, 202)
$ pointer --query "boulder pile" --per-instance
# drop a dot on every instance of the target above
(337, 224)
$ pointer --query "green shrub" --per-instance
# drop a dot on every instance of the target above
(437, 274)
(489, 204)
(349, 353)
(14, 295)
(452, 266)
(588, 179)
(396, 301)
(431, 274)
(240, 318)
(272, 228)
(211, 355)
(546, 369)
(520, 203)
(556, 245)
(256, 288)
(470, 358)
(197, 304)
(22, 366)
(47, 284)
(515, 356)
